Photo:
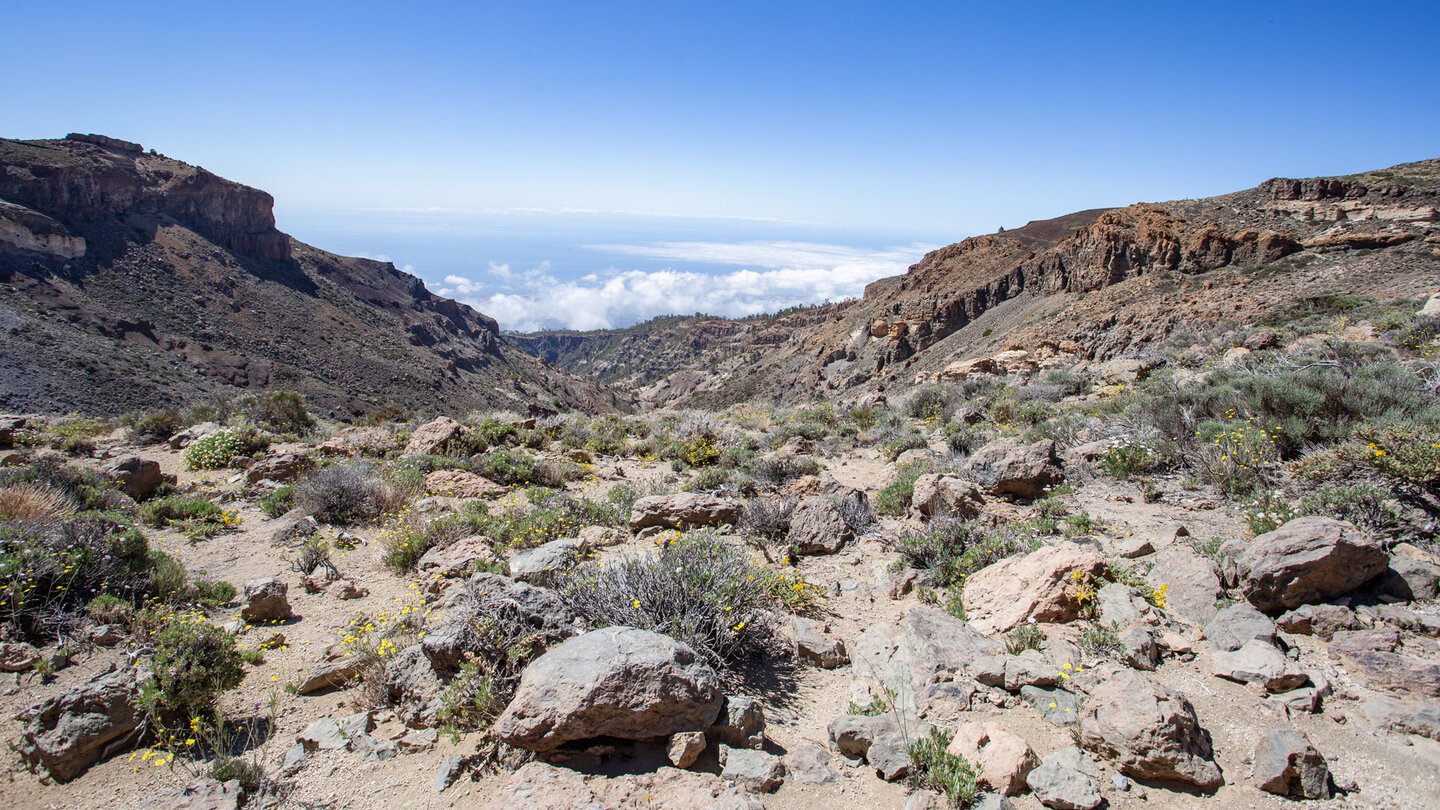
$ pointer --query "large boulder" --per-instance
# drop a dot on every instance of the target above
(937, 494)
(69, 732)
(617, 682)
(458, 558)
(138, 477)
(1038, 586)
(1259, 662)
(1150, 730)
(188, 436)
(541, 565)
(1286, 764)
(1001, 758)
(1006, 467)
(1066, 780)
(683, 510)
(462, 484)
(202, 793)
(431, 438)
(816, 527)
(1308, 560)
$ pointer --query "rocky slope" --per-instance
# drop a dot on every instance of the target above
(129, 279)
(1115, 281)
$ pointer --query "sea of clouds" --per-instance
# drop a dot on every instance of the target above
(767, 275)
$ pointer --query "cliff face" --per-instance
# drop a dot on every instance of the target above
(129, 279)
(1113, 281)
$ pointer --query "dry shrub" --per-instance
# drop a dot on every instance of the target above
(34, 502)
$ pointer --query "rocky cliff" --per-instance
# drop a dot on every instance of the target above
(130, 279)
(1112, 280)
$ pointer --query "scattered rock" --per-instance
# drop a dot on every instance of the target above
(1237, 624)
(926, 646)
(1058, 706)
(1005, 467)
(417, 740)
(1192, 583)
(601, 536)
(1034, 586)
(1141, 649)
(462, 484)
(889, 754)
(541, 565)
(816, 527)
(456, 559)
(740, 724)
(1322, 621)
(810, 764)
(753, 770)
(948, 495)
(1029, 668)
(17, 656)
(1131, 547)
(371, 748)
(331, 675)
(430, 438)
(1001, 759)
(814, 647)
(187, 436)
(202, 793)
(1150, 730)
(349, 589)
(295, 760)
(1285, 763)
(329, 734)
(853, 734)
(1259, 662)
(69, 732)
(1066, 780)
(684, 748)
(265, 601)
(616, 682)
(686, 509)
(1308, 560)
(453, 767)
(1119, 606)
(1410, 580)
(281, 469)
(138, 477)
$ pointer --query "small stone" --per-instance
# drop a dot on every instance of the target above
(684, 748)
(754, 770)
(810, 764)
(889, 755)
(814, 647)
(1237, 624)
(295, 759)
(741, 724)
(1056, 705)
(265, 601)
(1066, 780)
(451, 769)
(1285, 763)
(331, 675)
(417, 740)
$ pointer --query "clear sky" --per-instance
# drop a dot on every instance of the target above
(507, 152)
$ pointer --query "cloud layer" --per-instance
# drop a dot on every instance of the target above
(774, 275)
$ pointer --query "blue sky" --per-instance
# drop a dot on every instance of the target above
(521, 148)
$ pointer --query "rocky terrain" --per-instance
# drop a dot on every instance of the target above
(1135, 508)
(129, 279)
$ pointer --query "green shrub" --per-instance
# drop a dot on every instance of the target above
(1128, 458)
(781, 468)
(215, 451)
(697, 589)
(894, 499)
(1024, 637)
(156, 426)
(278, 412)
(1101, 640)
(514, 468)
(952, 550)
(214, 593)
(278, 502)
(933, 767)
(195, 518)
(909, 441)
(1406, 455)
(195, 663)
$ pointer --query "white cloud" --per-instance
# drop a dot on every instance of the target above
(789, 274)
(507, 212)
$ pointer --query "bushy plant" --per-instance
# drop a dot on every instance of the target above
(696, 589)
(933, 767)
(894, 498)
(951, 550)
(214, 451)
(514, 468)
(156, 426)
(781, 468)
(767, 520)
(278, 502)
(85, 490)
(195, 662)
(194, 517)
(32, 501)
(278, 412)
(346, 493)
(892, 448)
(1024, 637)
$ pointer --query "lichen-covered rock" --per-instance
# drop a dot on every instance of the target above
(616, 682)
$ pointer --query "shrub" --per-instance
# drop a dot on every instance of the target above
(855, 511)
(34, 502)
(1101, 640)
(952, 550)
(513, 468)
(404, 539)
(910, 441)
(1406, 455)
(214, 451)
(195, 518)
(278, 502)
(1024, 637)
(345, 493)
(933, 767)
(156, 426)
(1365, 505)
(894, 498)
(1127, 458)
(195, 662)
(84, 489)
(278, 412)
(767, 520)
(782, 468)
(50, 569)
(929, 403)
(697, 590)
(214, 593)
